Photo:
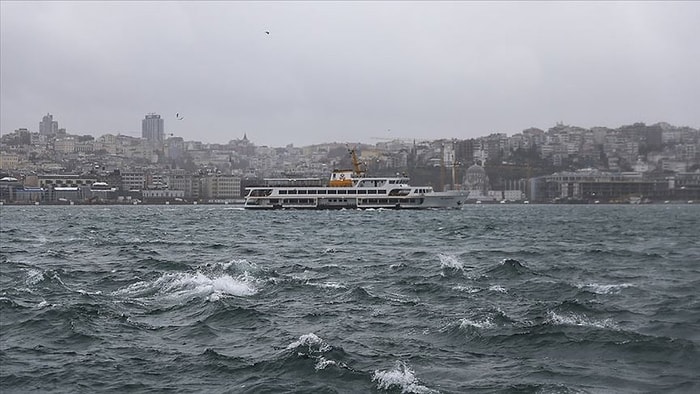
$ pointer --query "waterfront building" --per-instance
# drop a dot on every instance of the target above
(162, 195)
(589, 185)
(188, 183)
(8, 188)
(221, 187)
(29, 195)
(133, 180)
(65, 194)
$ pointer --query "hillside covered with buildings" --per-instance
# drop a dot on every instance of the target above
(569, 164)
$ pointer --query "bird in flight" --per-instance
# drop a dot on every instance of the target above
(178, 117)
(267, 32)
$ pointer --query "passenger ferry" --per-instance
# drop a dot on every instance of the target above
(350, 189)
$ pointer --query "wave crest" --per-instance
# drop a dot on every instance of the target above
(400, 377)
(189, 285)
(604, 289)
(574, 319)
(450, 262)
(310, 340)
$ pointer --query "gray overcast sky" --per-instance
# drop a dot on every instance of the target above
(347, 71)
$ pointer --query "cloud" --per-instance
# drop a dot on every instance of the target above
(347, 71)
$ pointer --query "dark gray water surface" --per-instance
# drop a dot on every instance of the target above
(528, 298)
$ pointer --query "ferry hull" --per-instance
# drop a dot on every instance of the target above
(435, 200)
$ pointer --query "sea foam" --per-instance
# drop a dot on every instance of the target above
(451, 262)
(33, 277)
(574, 319)
(604, 289)
(191, 285)
(401, 377)
(484, 323)
(309, 340)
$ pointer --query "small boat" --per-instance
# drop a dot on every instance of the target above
(350, 189)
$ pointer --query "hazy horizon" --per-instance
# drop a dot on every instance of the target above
(347, 71)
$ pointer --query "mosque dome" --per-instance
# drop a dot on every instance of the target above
(476, 170)
(476, 180)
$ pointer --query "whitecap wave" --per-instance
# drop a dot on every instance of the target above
(604, 289)
(467, 289)
(323, 363)
(498, 288)
(241, 265)
(92, 293)
(181, 286)
(484, 323)
(309, 340)
(400, 377)
(42, 304)
(330, 285)
(574, 319)
(33, 277)
(451, 262)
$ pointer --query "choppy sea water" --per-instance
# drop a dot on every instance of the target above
(538, 298)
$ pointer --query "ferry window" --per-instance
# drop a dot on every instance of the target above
(362, 192)
(341, 191)
(351, 191)
(381, 191)
(320, 192)
(282, 192)
(371, 192)
(331, 192)
(301, 192)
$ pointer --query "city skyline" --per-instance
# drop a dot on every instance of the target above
(161, 129)
(347, 71)
(153, 130)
